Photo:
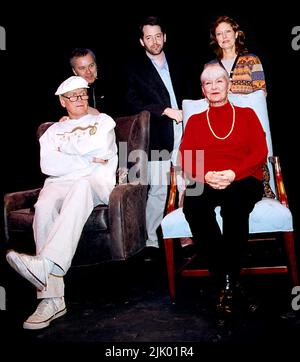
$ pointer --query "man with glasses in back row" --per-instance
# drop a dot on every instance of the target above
(80, 157)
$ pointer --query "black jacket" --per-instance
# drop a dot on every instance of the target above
(146, 91)
(96, 96)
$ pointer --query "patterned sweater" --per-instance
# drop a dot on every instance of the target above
(247, 75)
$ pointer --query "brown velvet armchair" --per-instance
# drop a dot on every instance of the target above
(113, 232)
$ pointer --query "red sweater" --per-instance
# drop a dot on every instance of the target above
(244, 151)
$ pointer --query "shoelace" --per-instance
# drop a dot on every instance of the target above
(45, 304)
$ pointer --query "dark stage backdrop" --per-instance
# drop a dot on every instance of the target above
(36, 61)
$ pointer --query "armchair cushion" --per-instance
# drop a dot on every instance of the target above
(268, 215)
(255, 100)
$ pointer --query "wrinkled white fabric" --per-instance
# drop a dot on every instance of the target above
(74, 187)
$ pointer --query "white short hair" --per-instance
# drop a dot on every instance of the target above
(212, 71)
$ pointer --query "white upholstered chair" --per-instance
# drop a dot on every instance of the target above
(269, 218)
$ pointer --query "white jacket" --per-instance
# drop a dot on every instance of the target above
(68, 148)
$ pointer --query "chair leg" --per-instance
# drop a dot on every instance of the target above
(289, 244)
(169, 250)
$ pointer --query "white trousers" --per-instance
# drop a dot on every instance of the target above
(61, 211)
(157, 196)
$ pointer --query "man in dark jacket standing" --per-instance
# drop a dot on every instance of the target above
(158, 83)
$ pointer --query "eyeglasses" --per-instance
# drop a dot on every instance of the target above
(74, 98)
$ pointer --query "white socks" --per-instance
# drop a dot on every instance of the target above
(50, 265)
(54, 269)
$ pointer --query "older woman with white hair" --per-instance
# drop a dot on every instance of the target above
(235, 150)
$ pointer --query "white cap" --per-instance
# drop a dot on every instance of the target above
(70, 84)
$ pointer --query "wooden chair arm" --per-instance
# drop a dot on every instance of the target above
(173, 189)
(282, 196)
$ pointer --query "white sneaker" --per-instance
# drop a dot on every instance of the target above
(48, 310)
(32, 268)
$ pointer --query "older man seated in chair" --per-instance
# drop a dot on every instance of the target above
(235, 151)
(80, 158)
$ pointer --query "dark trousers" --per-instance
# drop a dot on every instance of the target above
(224, 250)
